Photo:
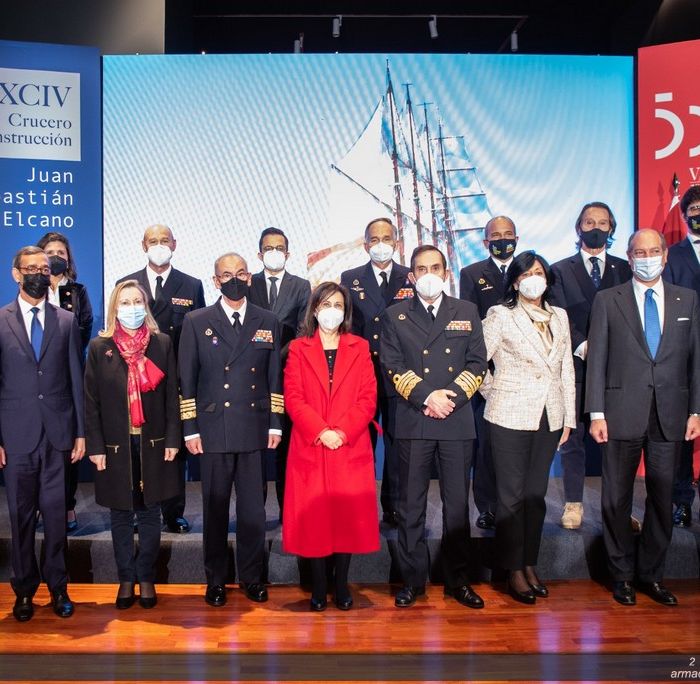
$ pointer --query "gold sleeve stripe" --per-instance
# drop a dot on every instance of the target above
(469, 382)
(405, 383)
(188, 408)
(276, 403)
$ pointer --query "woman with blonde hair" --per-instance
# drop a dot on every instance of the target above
(132, 424)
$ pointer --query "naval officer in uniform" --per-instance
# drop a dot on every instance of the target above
(432, 348)
(232, 409)
(374, 286)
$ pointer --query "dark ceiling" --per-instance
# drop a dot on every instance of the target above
(616, 27)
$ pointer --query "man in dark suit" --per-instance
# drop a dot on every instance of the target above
(642, 393)
(577, 280)
(172, 295)
(232, 408)
(433, 350)
(41, 427)
(286, 295)
(683, 268)
(374, 286)
(482, 284)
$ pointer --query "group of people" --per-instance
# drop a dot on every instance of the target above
(523, 363)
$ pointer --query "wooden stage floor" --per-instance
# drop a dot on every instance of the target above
(578, 634)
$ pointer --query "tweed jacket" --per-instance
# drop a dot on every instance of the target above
(526, 380)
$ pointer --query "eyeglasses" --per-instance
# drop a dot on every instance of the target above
(33, 270)
(225, 276)
(693, 208)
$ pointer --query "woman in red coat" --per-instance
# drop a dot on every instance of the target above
(330, 505)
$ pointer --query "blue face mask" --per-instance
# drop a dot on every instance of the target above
(132, 317)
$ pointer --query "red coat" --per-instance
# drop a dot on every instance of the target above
(330, 500)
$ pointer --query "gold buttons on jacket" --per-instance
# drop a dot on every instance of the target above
(252, 370)
(426, 370)
(252, 387)
(375, 336)
(447, 351)
(425, 351)
(226, 385)
(227, 404)
(449, 368)
(376, 319)
(225, 368)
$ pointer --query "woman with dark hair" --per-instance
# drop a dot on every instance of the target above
(72, 296)
(530, 410)
(330, 505)
(132, 433)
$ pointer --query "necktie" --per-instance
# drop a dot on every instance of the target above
(384, 287)
(273, 291)
(37, 332)
(652, 326)
(236, 322)
(431, 309)
(595, 271)
(159, 287)
(504, 268)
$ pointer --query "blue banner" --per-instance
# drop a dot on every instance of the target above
(51, 157)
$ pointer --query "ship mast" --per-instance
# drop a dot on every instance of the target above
(416, 198)
(431, 183)
(395, 163)
(449, 235)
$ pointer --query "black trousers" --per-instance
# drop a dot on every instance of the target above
(620, 462)
(683, 491)
(484, 473)
(175, 507)
(36, 482)
(133, 567)
(522, 459)
(219, 473)
(389, 494)
(415, 463)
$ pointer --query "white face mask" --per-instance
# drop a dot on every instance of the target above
(429, 286)
(381, 252)
(274, 260)
(330, 319)
(159, 255)
(532, 287)
(648, 268)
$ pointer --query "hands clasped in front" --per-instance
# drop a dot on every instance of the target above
(439, 404)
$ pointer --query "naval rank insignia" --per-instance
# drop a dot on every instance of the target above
(262, 336)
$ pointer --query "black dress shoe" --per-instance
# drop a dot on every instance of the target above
(539, 589)
(215, 595)
(344, 603)
(465, 595)
(125, 596)
(150, 599)
(318, 605)
(659, 593)
(682, 516)
(23, 609)
(256, 591)
(486, 521)
(391, 518)
(61, 603)
(527, 597)
(407, 596)
(624, 593)
(178, 525)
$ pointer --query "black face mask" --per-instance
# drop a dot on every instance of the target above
(36, 285)
(693, 224)
(234, 289)
(58, 265)
(595, 239)
(502, 249)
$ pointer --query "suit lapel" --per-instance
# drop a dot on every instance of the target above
(344, 361)
(50, 327)
(223, 326)
(397, 280)
(672, 311)
(527, 328)
(16, 324)
(555, 327)
(444, 316)
(259, 287)
(250, 325)
(688, 253)
(418, 315)
(313, 354)
(369, 282)
(583, 279)
(627, 304)
(283, 292)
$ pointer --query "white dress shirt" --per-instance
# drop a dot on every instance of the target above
(435, 304)
(377, 272)
(587, 261)
(500, 263)
(279, 277)
(54, 295)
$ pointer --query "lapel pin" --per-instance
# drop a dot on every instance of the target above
(208, 332)
(356, 282)
(215, 340)
(402, 317)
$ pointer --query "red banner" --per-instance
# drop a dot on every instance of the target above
(668, 111)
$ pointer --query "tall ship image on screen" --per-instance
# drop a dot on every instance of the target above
(405, 165)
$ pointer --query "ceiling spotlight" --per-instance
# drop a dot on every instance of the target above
(514, 41)
(337, 23)
(432, 27)
(299, 44)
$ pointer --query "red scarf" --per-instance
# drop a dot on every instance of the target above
(144, 375)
